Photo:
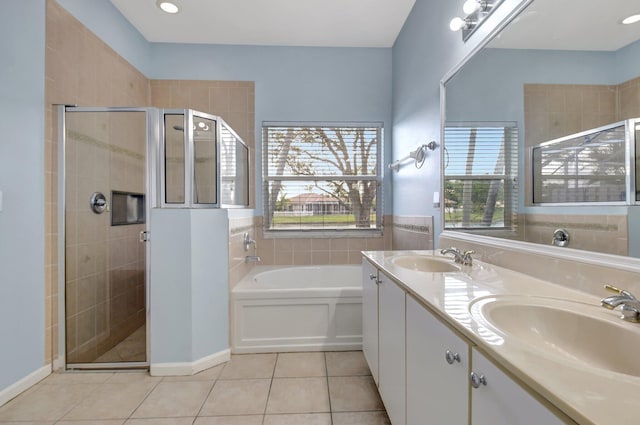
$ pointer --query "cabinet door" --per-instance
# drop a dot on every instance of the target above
(391, 340)
(503, 402)
(437, 391)
(370, 317)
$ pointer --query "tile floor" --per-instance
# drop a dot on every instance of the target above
(132, 349)
(321, 388)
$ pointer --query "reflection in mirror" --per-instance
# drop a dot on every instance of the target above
(557, 69)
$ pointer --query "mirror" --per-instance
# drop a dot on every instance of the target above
(557, 69)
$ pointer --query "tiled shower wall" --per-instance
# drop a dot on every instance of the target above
(80, 69)
(556, 110)
(105, 264)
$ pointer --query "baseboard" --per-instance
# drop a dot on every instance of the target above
(24, 384)
(186, 368)
(296, 348)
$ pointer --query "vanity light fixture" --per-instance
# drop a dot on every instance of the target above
(471, 6)
(476, 11)
(631, 19)
(458, 24)
(167, 6)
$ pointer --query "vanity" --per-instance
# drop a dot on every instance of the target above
(484, 345)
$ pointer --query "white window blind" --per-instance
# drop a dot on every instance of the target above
(322, 176)
(481, 175)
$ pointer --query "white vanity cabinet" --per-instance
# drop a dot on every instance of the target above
(423, 368)
(437, 370)
(370, 317)
(391, 352)
(498, 400)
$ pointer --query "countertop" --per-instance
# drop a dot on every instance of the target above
(588, 395)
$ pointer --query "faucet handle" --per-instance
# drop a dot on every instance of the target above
(466, 257)
(619, 291)
(612, 288)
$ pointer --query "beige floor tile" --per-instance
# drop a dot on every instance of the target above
(230, 420)
(249, 366)
(353, 394)
(361, 418)
(77, 378)
(130, 377)
(92, 422)
(300, 365)
(29, 423)
(210, 374)
(111, 401)
(46, 402)
(174, 399)
(160, 421)
(237, 397)
(298, 395)
(298, 419)
(346, 363)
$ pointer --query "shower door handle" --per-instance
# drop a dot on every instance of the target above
(145, 236)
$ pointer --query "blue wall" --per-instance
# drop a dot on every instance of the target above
(292, 83)
(22, 238)
(423, 54)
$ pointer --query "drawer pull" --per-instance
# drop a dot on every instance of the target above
(477, 380)
(452, 357)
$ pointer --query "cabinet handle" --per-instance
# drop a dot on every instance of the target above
(375, 278)
(477, 380)
(452, 357)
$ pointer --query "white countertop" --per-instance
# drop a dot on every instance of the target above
(588, 395)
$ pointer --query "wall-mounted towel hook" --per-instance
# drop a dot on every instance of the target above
(419, 155)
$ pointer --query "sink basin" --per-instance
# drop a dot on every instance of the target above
(568, 330)
(423, 263)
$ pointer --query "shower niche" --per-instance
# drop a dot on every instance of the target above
(203, 162)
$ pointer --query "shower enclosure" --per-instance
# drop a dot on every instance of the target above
(116, 164)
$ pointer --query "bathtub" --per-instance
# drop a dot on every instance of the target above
(306, 308)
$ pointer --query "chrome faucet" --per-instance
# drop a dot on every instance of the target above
(458, 256)
(248, 242)
(630, 304)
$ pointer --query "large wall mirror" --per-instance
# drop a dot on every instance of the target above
(557, 69)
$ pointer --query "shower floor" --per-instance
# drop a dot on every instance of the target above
(132, 349)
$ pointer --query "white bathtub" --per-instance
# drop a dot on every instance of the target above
(310, 308)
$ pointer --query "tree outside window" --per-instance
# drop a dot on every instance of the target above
(322, 176)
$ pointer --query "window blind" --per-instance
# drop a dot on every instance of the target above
(322, 176)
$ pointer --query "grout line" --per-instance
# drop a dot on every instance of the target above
(326, 369)
(266, 404)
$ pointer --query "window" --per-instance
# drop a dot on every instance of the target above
(322, 176)
(480, 175)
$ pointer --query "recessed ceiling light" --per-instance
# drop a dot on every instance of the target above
(167, 6)
(631, 19)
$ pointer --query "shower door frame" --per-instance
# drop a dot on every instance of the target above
(151, 151)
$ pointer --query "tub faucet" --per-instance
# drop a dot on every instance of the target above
(630, 304)
(251, 259)
(458, 256)
(248, 242)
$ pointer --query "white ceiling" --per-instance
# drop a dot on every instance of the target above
(572, 25)
(330, 23)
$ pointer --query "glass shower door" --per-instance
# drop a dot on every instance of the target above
(105, 222)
